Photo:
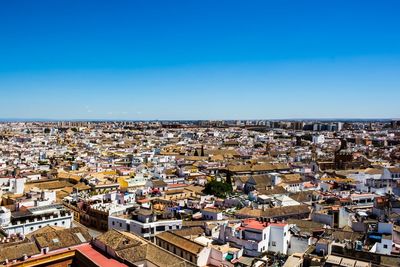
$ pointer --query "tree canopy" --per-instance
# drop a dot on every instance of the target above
(218, 189)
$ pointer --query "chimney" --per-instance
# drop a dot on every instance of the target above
(45, 250)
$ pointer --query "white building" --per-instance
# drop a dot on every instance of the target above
(213, 214)
(3, 164)
(385, 245)
(36, 198)
(32, 176)
(25, 222)
(256, 236)
(318, 139)
(146, 225)
(12, 185)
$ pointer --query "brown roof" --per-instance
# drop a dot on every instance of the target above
(291, 177)
(342, 235)
(306, 226)
(270, 166)
(222, 152)
(180, 242)
(133, 249)
(303, 196)
(271, 191)
(61, 194)
(239, 168)
(273, 212)
(116, 240)
(195, 189)
(242, 178)
(257, 167)
(170, 171)
(66, 175)
(249, 212)
(61, 238)
(192, 231)
(394, 170)
(374, 171)
(154, 254)
(174, 191)
(13, 251)
(48, 228)
(50, 185)
(144, 212)
(81, 186)
(159, 183)
(262, 179)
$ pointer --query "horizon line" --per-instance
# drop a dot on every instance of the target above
(160, 120)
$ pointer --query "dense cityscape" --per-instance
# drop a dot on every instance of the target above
(200, 193)
(212, 133)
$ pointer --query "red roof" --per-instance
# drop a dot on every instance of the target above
(254, 224)
(101, 260)
(308, 184)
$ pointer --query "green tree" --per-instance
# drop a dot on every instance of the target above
(218, 189)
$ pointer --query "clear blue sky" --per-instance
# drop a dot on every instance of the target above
(194, 59)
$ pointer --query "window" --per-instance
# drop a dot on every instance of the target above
(273, 243)
(160, 228)
(31, 228)
(113, 223)
(385, 246)
(120, 224)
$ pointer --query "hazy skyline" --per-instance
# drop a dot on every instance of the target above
(145, 60)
